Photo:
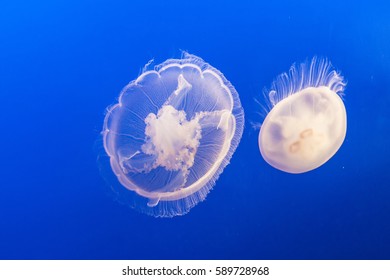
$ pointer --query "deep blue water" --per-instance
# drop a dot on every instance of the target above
(63, 62)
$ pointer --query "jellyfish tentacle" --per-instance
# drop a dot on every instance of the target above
(178, 182)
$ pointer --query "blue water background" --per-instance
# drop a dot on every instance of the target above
(63, 62)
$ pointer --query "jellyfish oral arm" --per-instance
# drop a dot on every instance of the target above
(171, 138)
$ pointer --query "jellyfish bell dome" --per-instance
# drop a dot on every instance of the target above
(307, 123)
(171, 134)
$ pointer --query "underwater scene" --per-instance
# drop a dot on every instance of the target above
(195, 130)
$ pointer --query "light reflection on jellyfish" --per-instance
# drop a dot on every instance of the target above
(307, 123)
(172, 133)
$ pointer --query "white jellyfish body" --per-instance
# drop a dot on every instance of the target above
(307, 123)
(172, 133)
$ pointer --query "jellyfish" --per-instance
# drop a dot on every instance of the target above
(307, 122)
(171, 134)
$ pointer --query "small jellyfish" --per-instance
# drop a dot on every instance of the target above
(307, 123)
(171, 134)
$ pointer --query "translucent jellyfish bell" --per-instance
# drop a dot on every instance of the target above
(172, 133)
(307, 123)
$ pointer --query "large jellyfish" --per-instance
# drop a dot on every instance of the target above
(307, 123)
(172, 133)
